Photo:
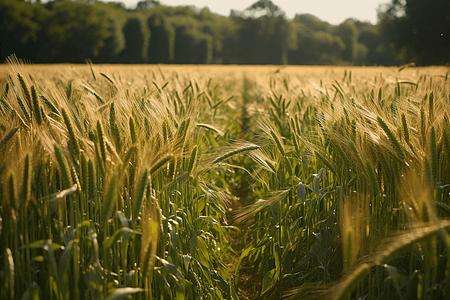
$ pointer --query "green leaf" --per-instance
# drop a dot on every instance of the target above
(316, 183)
(50, 255)
(177, 180)
(172, 269)
(301, 192)
(202, 251)
(41, 244)
(109, 79)
(307, 258)
(110, 200)
(397, 278)
(193, 239)
(187, 261)
(222, 283)
(124, 231)
(234, 296)
(269, 280)
(38, 258)
(340, 192)
(411, 288)
(64, 261)
(122, 218)
(180, 291)
(122, 293)
(244, 254)
(207, 219)
(86, 223)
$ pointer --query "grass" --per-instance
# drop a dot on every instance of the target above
(132, 181)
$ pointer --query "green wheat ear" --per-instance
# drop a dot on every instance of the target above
(151, 228)
(278, 142)
(296, 143)
(25, 90)
(4, 141)
(23, 108)
(110, 200)
(431, 108)
(192, 159)
(423, 126)
(147, 127)
(373, 177)
(84, 173)
(5, 92)
(26, 183)
(113, 126)
(74, 175)
(446, 137)
(405, 128)
(72, 136)
(92, 180)
(394, 141)
(36, 106)
(65, 174)
(238, 150)
(133, 131)
(139, 194)
(182, 133)
(433, 148)
(50, 105)
(325, 161)
(161, 163)
(101, 141)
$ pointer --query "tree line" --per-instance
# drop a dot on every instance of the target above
(73, 31)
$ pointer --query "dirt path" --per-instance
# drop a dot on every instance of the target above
(249, 282)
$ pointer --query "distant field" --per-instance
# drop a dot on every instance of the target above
(235, 73)
(300, 71)
(224, 182)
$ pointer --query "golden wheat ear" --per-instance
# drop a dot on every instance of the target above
(388, 248)
(248, 212)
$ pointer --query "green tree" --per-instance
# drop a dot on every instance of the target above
(191, 45)
(311, 22)
(115, 43)
(419, 30)
(162, 39)
(264, 35)
(137, 37)
(348, 32)
(372, 39)
(379, 51)
(77, 31)
(21, 27)
(147, 4)
(223, 33)
(316, 45)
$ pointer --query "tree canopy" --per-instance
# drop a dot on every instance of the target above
(419, 30)
(73, 31)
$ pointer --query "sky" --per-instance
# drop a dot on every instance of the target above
(331, 11)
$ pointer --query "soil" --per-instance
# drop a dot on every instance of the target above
(249, 281)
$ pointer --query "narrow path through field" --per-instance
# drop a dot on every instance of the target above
(249, 281)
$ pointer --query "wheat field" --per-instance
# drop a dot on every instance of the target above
(169, 181)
